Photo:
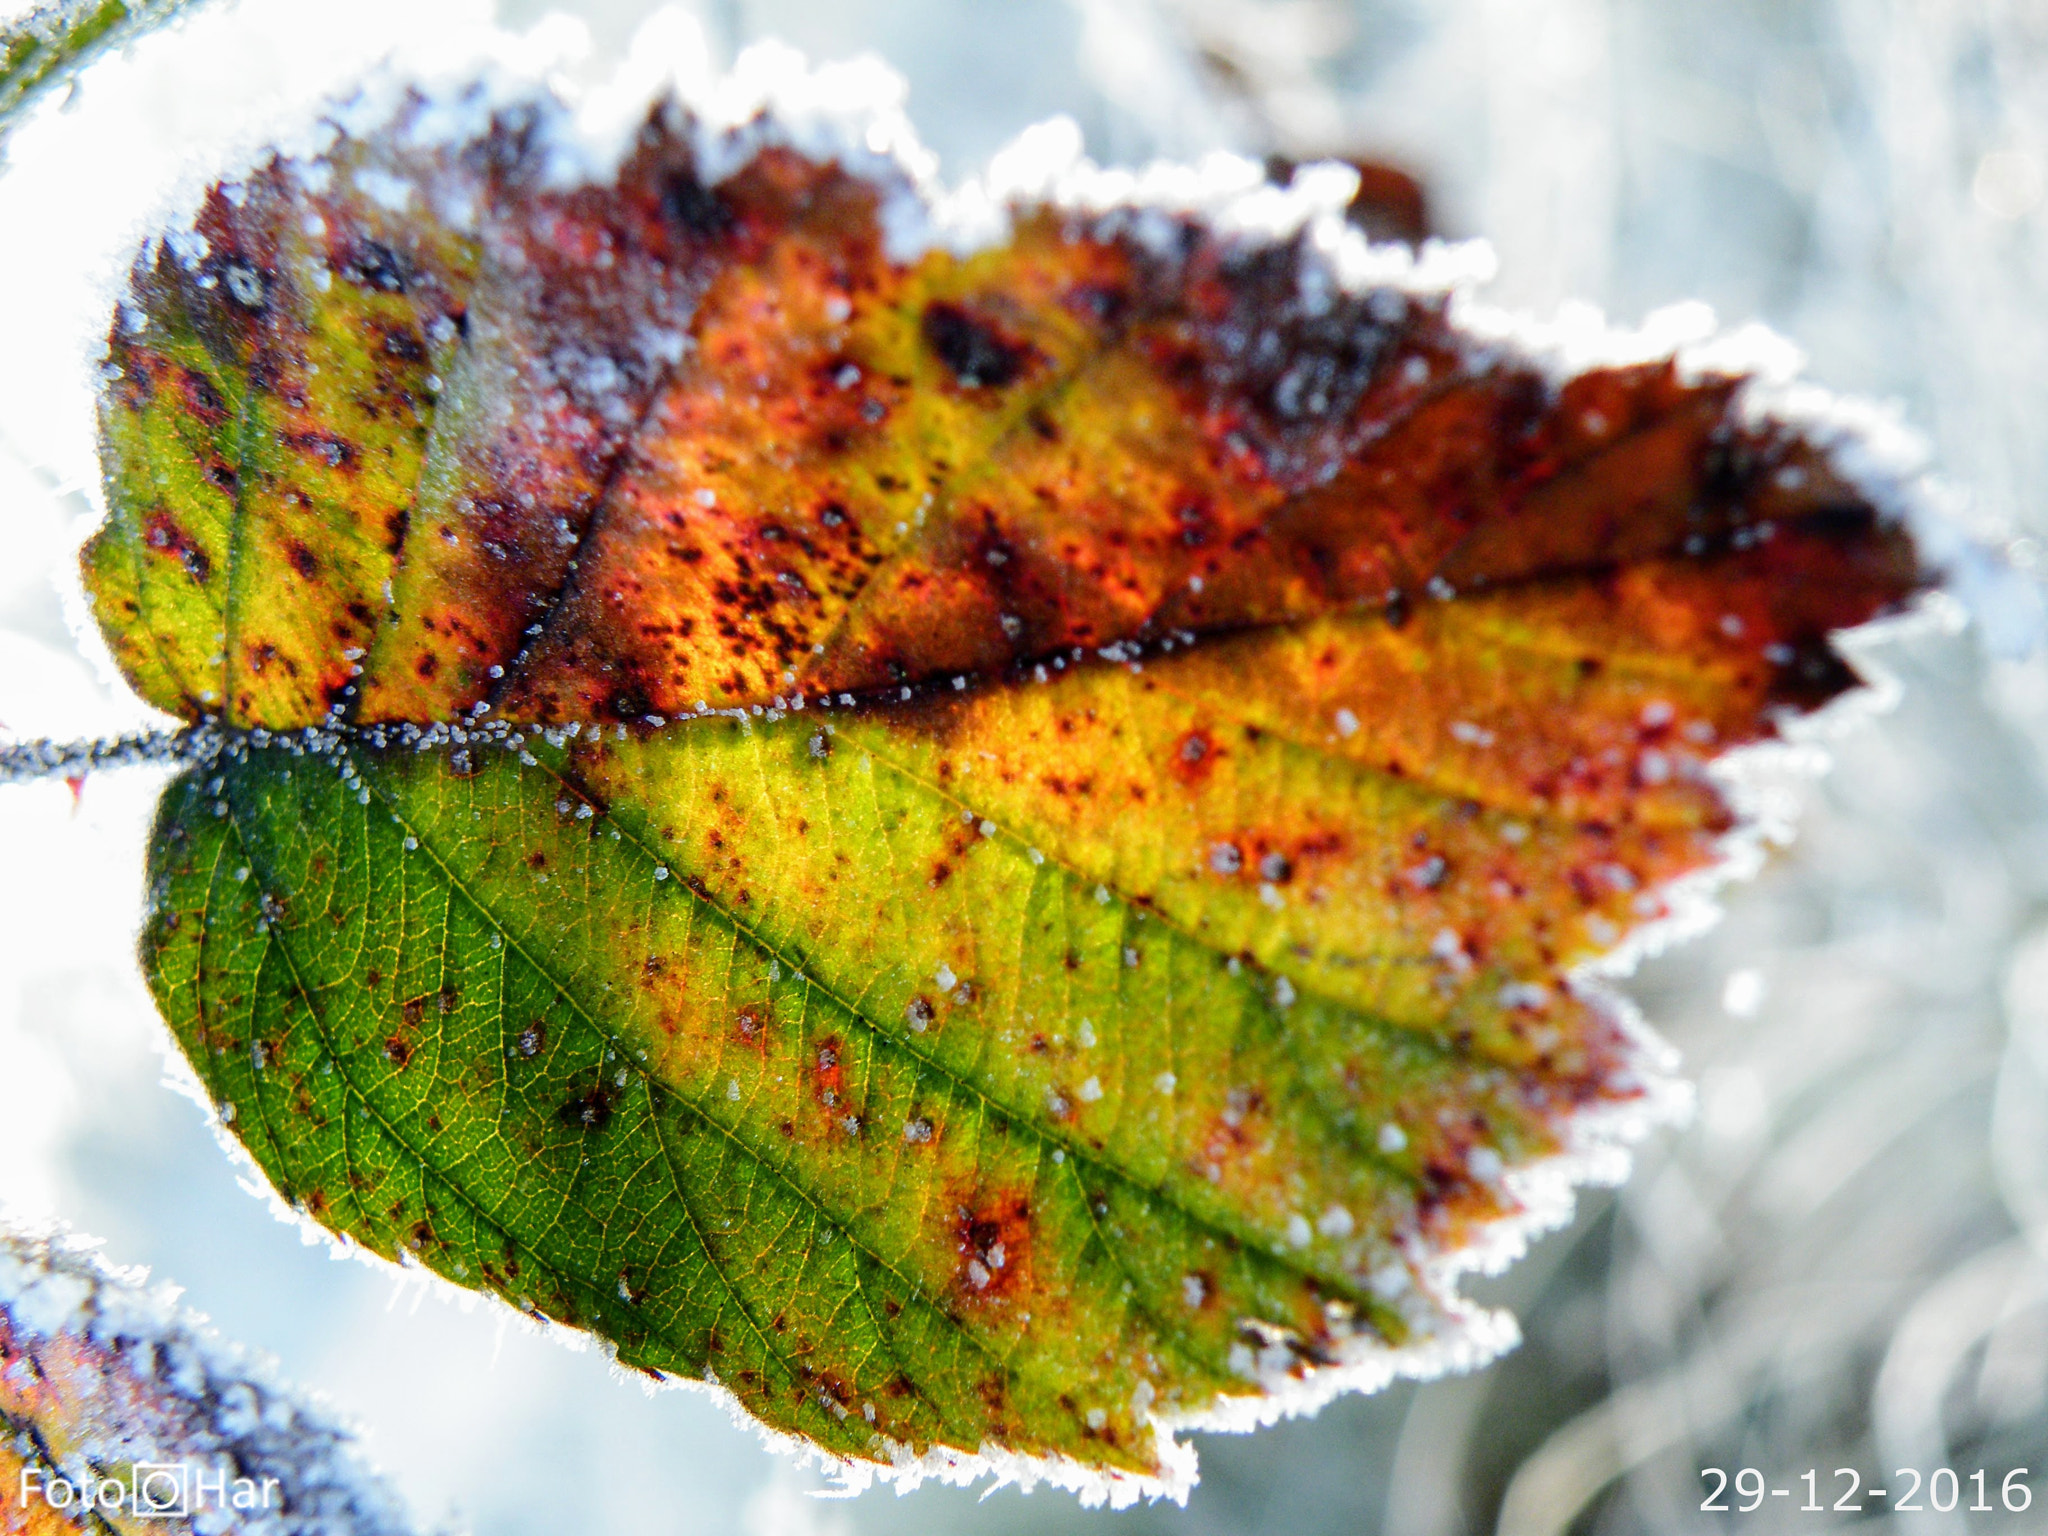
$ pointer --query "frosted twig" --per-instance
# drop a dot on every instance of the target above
(52, 43)
(24, 761)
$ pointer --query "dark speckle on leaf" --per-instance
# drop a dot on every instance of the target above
(974, 350)
(696, 208)
(372, 264)
(591, 1111)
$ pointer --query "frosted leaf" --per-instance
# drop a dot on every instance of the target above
(119, 1403)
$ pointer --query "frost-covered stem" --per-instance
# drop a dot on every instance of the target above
(52, 43)
(23, 761)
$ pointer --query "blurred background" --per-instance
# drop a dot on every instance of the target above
(1842, 1262)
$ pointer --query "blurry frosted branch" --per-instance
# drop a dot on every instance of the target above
(51, 44)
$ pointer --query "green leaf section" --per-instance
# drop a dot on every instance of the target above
(1017, 1163)
(263, 439)
(51, 44)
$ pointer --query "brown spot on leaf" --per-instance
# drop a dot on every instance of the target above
(1194, 758)
(750, 1025)
(162, 533)
(828, 1074)
(992, 1238)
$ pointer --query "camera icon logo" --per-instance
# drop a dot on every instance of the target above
(161, 1491)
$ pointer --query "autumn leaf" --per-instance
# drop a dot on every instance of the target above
(994, 846)
(120, 1413)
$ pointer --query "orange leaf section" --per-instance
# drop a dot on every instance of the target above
(693, 445)
(30, 1515)
(1103, 448)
